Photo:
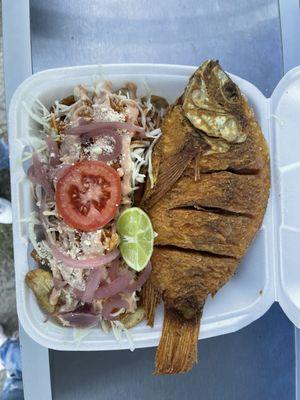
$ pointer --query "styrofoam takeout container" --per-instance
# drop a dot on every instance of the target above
(271, 269)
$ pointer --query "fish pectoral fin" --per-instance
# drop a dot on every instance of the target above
(170, 171)
(177, 349)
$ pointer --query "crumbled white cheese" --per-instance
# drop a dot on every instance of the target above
(70, 150)
(91, 243)
(103, 145)
(107, 114)
(96, 149)
(74, 250)
(73, 276)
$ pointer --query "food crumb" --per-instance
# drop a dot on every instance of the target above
(261, 292)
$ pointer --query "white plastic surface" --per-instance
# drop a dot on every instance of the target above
(285, 128)
(245, 298)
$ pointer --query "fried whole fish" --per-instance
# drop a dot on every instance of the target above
(211, 186)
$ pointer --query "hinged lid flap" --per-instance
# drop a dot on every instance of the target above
(285, 131)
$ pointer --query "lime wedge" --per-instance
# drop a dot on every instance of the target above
(136, 233)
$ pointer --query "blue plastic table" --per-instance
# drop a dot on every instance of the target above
(258, 362)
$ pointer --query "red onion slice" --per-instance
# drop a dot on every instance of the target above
(111, 134)
(86, 128)
(137, 285)
(82, 121)
(114, 269)
(93, 282)
(37, 174)
(53, 149)
(115, 287)
(68, 307)
(60, 171)
(77, 293)
(59, 283)
(31, 174)
(108, 307)
(86, 263)
(98, 132)
(79, 319)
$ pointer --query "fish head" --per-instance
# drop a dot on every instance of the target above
(213, 103)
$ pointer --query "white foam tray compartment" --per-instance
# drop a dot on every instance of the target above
(269, 270)
(285, 128)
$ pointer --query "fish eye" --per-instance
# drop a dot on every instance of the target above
(230, 91)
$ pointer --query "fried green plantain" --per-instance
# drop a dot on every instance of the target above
(41, 283)
(131, 320)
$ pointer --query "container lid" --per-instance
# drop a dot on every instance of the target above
(285, 133)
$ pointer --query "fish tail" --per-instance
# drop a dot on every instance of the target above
(178, 346)
(150, 300)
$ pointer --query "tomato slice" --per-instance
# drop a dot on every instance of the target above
(88, 195)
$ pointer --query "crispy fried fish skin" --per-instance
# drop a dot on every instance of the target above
(185, 277)
(205, 207)
(223, 234)
(240, 194)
